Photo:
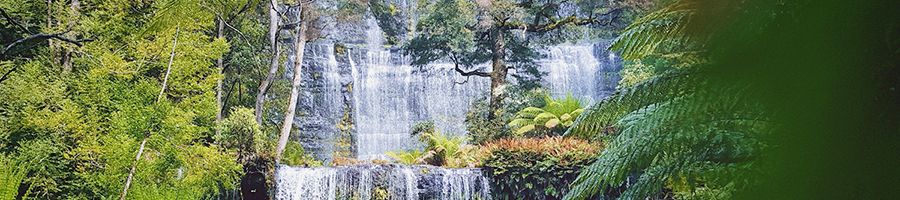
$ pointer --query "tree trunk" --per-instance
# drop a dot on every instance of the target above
(75, 6)
(498, 73)
(219, 63)
(133, 168)
(158, 99)
(295, 90)
(273, 64)
(49, 21)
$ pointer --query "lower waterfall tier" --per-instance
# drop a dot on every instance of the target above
(377, 182)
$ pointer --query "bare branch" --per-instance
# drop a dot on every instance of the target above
(469, 73)
(13, 21)
(6, 75)
(45, 36)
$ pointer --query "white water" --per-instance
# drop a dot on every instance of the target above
(391, 96)
(366, 182)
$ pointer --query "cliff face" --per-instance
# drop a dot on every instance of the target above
(360, 96)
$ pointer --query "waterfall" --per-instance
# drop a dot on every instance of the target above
(391, 95)
(368, 182)
(360, 98)
(384, 95)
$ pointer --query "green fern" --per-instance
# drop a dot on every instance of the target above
(11, 174)
(666, 27)
(677, 130)
(556, 115)
(704, 127)
(411, 157)
(597, 121)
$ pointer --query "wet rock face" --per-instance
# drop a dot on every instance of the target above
(366, 182)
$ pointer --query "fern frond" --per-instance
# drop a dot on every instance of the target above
(598, 119)
(666, 140)
(11, 174)
(667, 26)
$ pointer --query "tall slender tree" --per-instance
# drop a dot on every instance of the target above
(307, 13)
(274, 23)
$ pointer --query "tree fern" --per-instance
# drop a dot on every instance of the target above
(598, 119)
(665, 27)
(554, 118)
(667, 141)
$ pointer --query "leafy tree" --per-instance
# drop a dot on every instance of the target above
(81, 111)
(498, 32)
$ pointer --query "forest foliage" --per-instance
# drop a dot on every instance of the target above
(97, 93)
(78, 106)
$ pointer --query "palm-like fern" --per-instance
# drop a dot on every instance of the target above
(557, 114)
(598, 120)
(665, 27)
(677, 130)
(684, 138)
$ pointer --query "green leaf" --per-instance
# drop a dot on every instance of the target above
(525, 129)
(551, 123)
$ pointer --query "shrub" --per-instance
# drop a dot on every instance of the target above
(482, 128)
(241, 132)
(344, 161)
(538, 168)
(294, 155)
(440, 149)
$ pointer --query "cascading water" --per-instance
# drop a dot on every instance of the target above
(587, 72)
(394, 182)
(356, 89)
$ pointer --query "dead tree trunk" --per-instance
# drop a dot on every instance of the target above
(147, 136)
(273, 64)
(295, 89)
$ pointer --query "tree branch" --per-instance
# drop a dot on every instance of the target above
(45, 36)
(13, 21)
(469, 73)
(147, 136)
(556, 24)
(6, 75)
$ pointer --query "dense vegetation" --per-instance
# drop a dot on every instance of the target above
(151, 99)
(539, 168)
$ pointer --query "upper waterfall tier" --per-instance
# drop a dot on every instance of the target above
(360, 98)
